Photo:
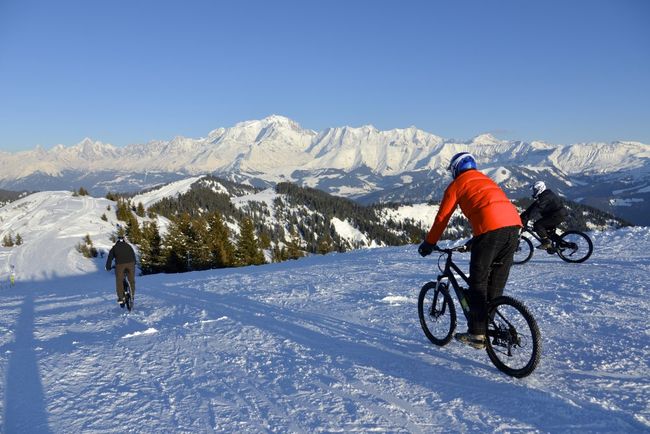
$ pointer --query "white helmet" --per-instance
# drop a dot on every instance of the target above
(538, 188)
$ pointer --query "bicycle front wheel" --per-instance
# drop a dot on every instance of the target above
(574, 246)
(437, 313)
(524, 251)
(513, 343)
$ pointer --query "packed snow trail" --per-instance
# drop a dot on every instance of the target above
(322, 344)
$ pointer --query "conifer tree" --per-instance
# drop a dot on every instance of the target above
(123, 212)
(19, 240)
(133, 231)
(221, 249)
(200, 254)
(278, 253)
(8, 241)
(248, 251)
(140, 212)
(151, 252)
(177, 244)
(325, 244)
(294, 246)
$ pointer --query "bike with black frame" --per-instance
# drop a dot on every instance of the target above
(513, 341)
(128, 297)
(571, 246)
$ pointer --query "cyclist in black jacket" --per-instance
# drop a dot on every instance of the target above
(124, 256)
(551, 209)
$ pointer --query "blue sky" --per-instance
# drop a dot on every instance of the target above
(132, 71)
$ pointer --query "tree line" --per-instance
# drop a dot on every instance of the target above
(206, 230)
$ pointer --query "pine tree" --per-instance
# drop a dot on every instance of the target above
(278, 253)
(248, 251)
(123, 212)
(8, 241)
(200, 254)
(120, 232)
(294, 246)
(221, 249)
(140, 210)
(133, 231)
(151, 252)
(19, 240)
(177, 244)
(325, 244)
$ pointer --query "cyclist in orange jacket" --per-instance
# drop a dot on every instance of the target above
(495, 226)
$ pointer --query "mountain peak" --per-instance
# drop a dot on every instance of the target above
(485, 139)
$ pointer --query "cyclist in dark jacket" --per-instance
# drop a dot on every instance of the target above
(551, 210)
(124, 256)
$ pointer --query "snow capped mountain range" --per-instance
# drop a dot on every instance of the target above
(362, 163)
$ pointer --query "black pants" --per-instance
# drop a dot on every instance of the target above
(548, 223)
(488, 272)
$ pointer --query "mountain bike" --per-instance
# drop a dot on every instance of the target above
(128, 294)
(513, 341)
(570, 246)
(128, 298)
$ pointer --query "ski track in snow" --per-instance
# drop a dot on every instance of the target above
(325, 344)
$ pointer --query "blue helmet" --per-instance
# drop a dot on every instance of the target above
(461, 162)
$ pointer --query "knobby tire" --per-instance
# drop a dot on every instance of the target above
(513, 343)
(438, 321)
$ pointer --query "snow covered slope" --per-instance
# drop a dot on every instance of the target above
(51, 224)
(323, 344)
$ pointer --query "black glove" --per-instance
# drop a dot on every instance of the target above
(426, 248)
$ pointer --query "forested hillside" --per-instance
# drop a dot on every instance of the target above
(217, 223)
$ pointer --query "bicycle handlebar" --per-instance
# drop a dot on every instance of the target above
(449, 250)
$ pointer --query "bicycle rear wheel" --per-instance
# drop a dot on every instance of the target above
(514, 343)
(574, 246)
(437, 313)
(128, 300)
(524, 251)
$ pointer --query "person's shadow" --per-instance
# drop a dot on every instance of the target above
(24, 399)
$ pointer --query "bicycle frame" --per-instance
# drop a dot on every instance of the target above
(552, 234)
(448, 273)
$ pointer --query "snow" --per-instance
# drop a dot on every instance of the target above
(52, 223)
(172, 189)
(625, 202)
(347, 231)
(267, 197)
(276, 146)
(421, 213)
(323, 344)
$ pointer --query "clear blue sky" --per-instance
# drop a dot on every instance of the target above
(132, 71)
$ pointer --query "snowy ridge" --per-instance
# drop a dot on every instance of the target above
(324, 344)
(170, 190)
(277, 146)
(51, 224)
(366, 164)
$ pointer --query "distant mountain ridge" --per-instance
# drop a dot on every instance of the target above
(363, 163)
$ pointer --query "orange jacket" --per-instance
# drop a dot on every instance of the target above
(481, 200)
